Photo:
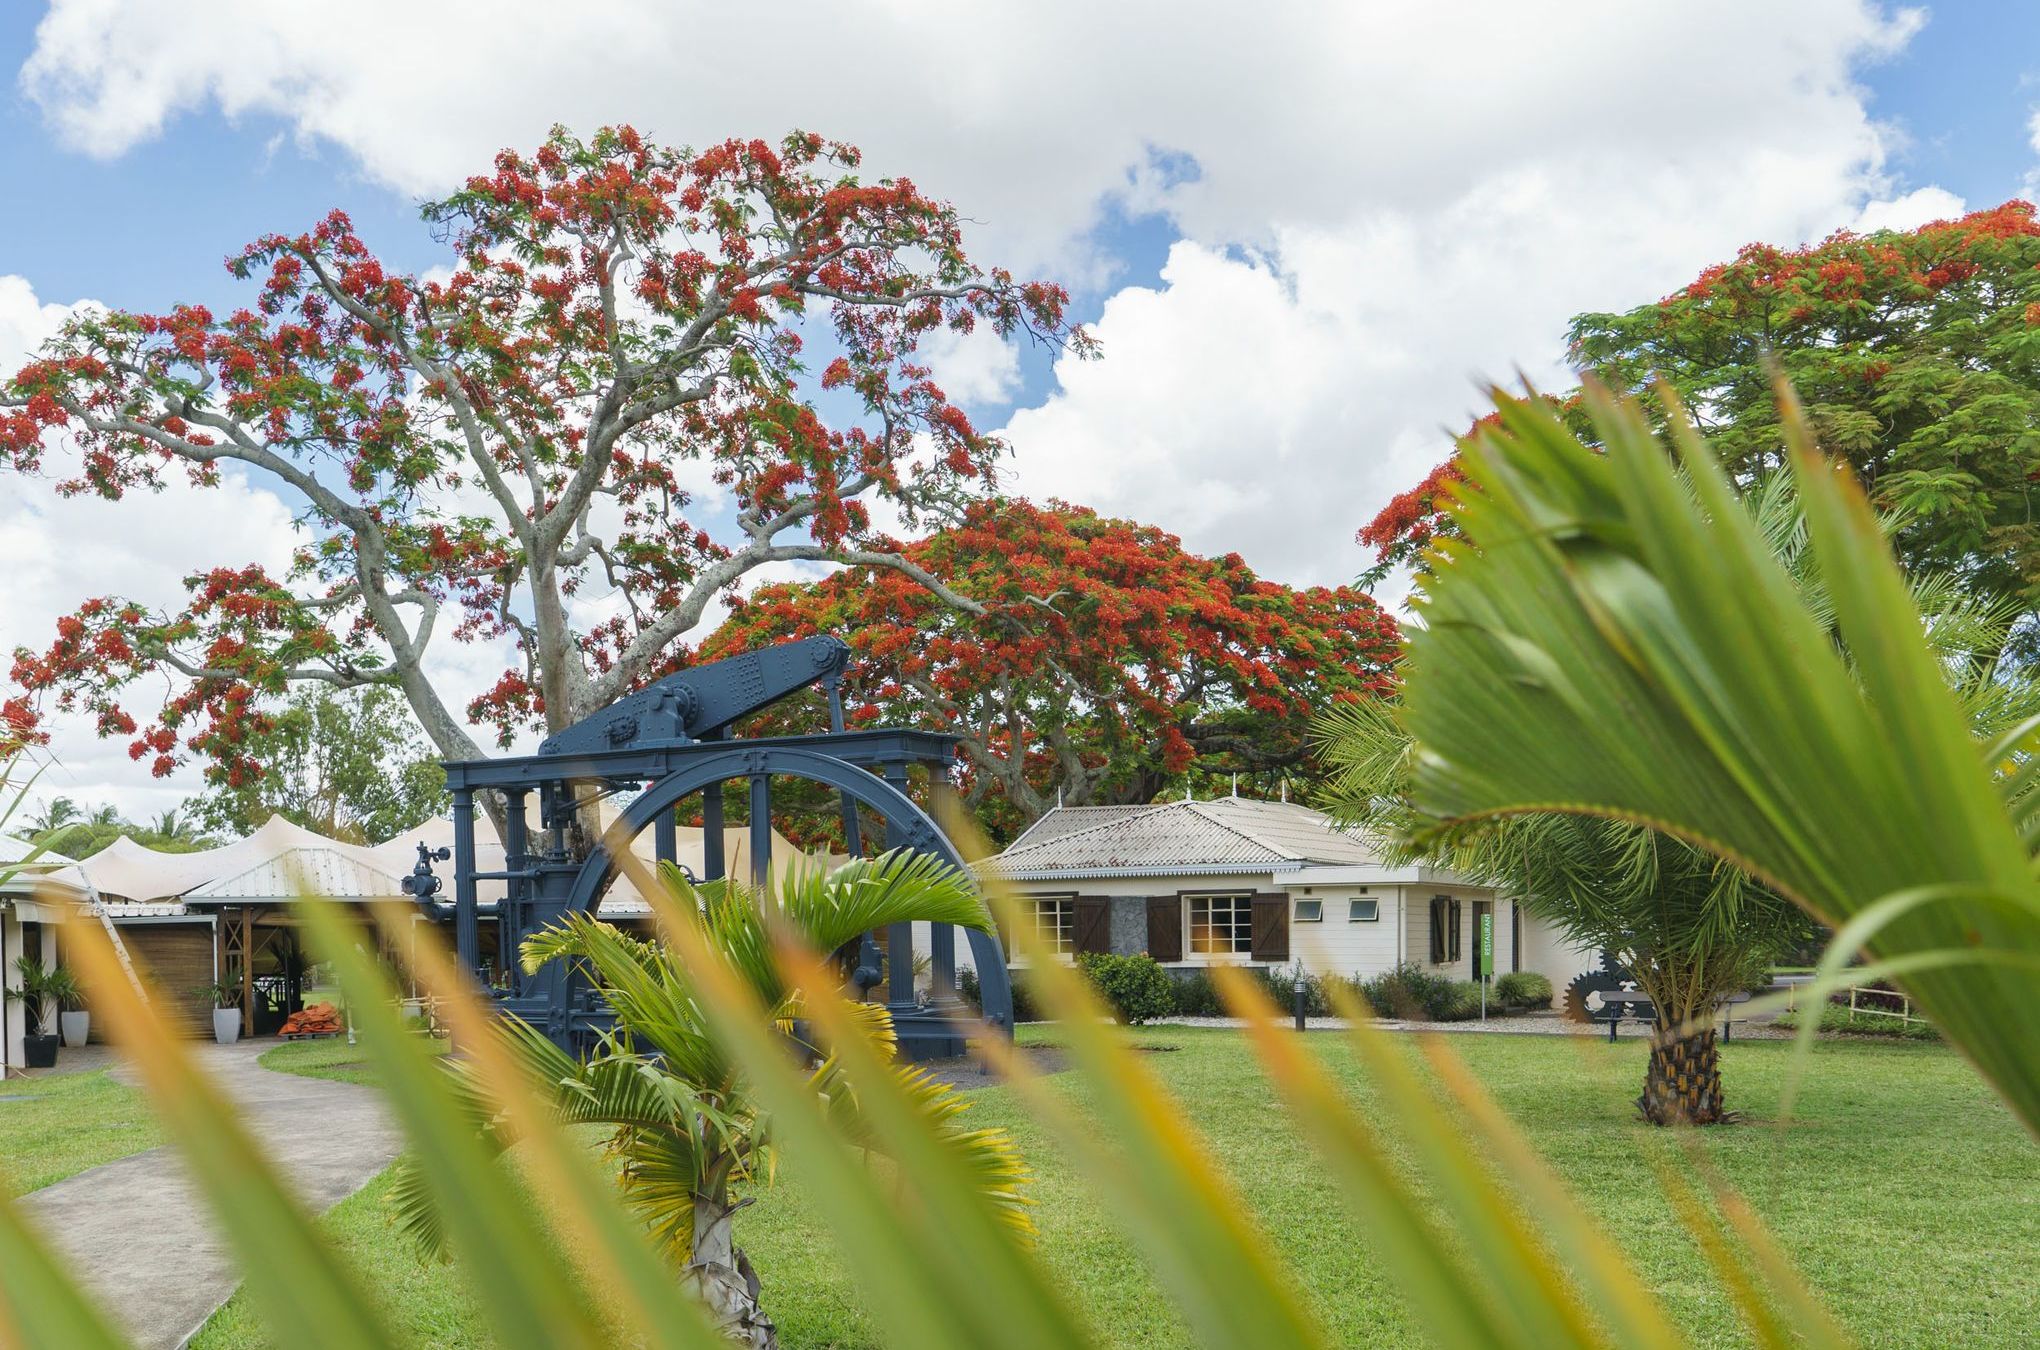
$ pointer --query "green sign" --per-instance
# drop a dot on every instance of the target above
(1487, 944)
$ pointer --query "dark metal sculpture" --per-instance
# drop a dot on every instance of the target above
(672, 741)
(1608, 978)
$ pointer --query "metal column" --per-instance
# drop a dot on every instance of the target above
(899, 939)
(466, 940)
(712, 865)
(761, 831)
(941, 936)
(510, 914)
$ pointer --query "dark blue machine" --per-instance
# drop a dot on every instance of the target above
(672, 740)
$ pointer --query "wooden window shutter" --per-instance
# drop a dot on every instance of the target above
(1271, 928)
(1093, 925)
(1165, 928)
(1438, 925)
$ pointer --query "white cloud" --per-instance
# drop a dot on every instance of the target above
(1030, 116)
(974, 368)
(1270, 403)
(59, 551)
(1909, 212)
(1374, 205)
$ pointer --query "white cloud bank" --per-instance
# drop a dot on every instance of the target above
(1374, 204)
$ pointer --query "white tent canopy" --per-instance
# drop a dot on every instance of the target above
(282, 861)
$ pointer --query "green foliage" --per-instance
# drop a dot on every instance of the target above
(1523, 989)
(1409, 991)
(1195, 995)
(1826, 751)
(352, 766)
(1135, 986)
(968, 989)
(62, 826)
(1842, 1021)
(41, 985)
(1464, 1003)
(1916, 357)
(678, 1113)
(226, 993)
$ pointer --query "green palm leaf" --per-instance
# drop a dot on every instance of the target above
(1615, 638)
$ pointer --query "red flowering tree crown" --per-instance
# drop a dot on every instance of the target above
(1083, 655)
(621, 325)
(1917, 354)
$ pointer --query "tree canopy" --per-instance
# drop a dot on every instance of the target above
(350, 765)
(1077, 654)
(1916, 353)
(609, 389)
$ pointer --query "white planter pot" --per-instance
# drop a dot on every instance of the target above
(226, 1025)
(77, 1026)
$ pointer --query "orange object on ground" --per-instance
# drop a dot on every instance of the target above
(311, 1021)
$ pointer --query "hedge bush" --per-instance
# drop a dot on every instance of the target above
(1023, 1004)
(1136, 987)
(1409, 991)
(1833, 1018)
(1523, 989)
(1196, 996)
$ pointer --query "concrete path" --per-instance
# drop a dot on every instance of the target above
(140, 1237)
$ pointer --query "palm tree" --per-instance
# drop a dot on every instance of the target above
(53, 815)
(678, 1111)
(1689, 926)
(176, 826)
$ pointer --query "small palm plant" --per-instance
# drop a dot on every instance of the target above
(687, 1134)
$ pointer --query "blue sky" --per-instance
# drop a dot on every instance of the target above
(1301, 245)
(162, 216)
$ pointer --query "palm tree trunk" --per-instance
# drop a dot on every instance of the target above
(1683, 1083)
(720, 1275)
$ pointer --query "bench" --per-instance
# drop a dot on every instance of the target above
(1633, 1005)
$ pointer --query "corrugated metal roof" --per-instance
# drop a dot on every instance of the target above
(1069, 819)
(1228, 834)
(302, 873)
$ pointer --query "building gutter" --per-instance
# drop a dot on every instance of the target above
(990, 869)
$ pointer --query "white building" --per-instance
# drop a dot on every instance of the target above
(35, 890)
(1243, 882)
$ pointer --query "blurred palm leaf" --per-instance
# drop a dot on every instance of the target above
(1615, 637)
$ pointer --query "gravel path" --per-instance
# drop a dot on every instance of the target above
(137, 1233)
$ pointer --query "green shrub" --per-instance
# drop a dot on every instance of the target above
(1411, 992)
(1523, 989)
(1138, 989)
(1462, 1004)
(1023, 1004)
(1196, 996)
(1281, 986)
(1842, 1020)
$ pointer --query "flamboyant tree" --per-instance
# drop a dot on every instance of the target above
(1917, 355)
(622, 327)
(1079, 655)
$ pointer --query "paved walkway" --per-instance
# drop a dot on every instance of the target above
(137, 1232)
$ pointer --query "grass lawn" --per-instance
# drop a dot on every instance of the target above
(1908, 1196)
(57, 1125)
(333, 1058)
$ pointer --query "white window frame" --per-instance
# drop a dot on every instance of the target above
(1353, 914)
(1060, 935)
(1315, 914)
(1238, 926)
